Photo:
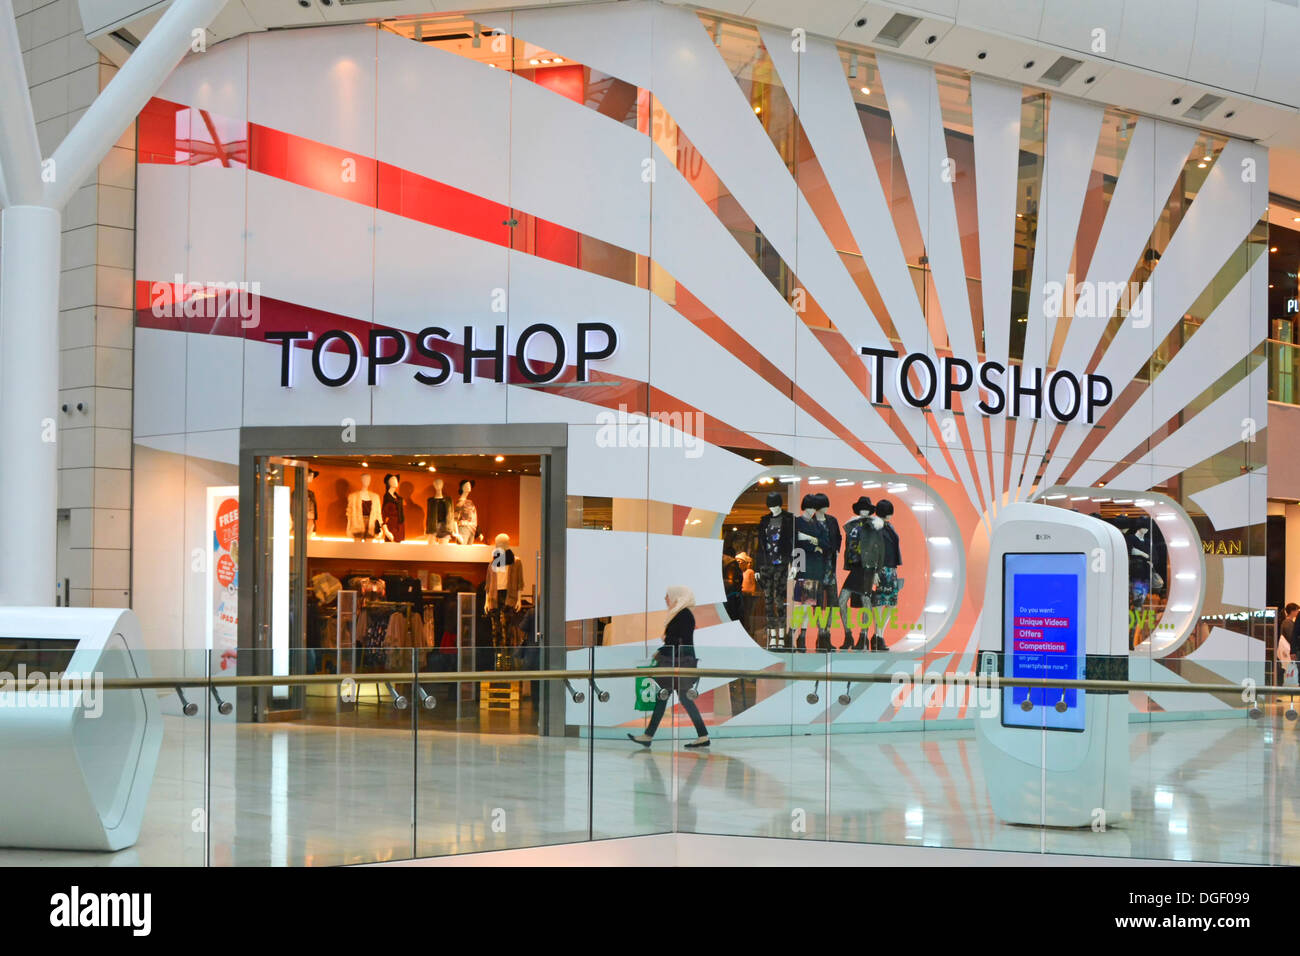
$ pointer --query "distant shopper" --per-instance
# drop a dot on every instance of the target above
(1286, 649)
(677, 650)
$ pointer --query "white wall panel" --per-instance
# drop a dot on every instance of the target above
(579, 168)
(220, 85)
(1235, 502)
(310, 248)
(1158, 35)
(217, 206)
(334, 72)
(605, 573)
(162, 232)
(159, 382)
(431, 135)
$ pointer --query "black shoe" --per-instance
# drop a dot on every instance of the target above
(642, 740)
(698, 743)
(878, 643)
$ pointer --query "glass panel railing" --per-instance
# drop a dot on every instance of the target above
(402, 756)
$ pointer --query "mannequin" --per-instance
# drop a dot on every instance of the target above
(466, 515)
(505, 586)
(775, 547)
(437, 515)
(888, 583)
(829, 572)
(812, 541)
(363, 511)
(392, 510)
(311, 502)
(857, 586)
(1147, 560)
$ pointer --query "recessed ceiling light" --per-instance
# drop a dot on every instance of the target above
(534, 61)
(499, 458)
(1200, 165)
(558, 59)
(758, 109)
(866, 91)
(365, 464)
(420, 463)
(1272, 248)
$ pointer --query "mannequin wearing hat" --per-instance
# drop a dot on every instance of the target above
(466, 515)
(829, 572)
(812, 543)
(504, 591)
(858, 586)
(888, 583)
(392, 511)
(775, 547)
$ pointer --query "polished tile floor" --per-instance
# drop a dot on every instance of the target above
(295, 794)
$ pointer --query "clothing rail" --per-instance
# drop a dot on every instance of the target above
(446, 677)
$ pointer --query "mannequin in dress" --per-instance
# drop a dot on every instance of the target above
(392, 510)
(888, 583)
(466, 515)
(857, 586)
(363, 511)
(829, 572)
(505, 587)
(812, 541)
(775, 549)
(437, 515)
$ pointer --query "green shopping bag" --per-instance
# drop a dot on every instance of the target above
(647, 690)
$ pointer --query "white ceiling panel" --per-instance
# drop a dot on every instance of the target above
(1070, 24)
(1158, 36)
(1229, 40)
(1279, 77)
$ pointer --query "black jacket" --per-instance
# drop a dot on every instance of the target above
(679, 640)
(892, 556)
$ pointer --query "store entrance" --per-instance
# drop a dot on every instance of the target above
(427, 549)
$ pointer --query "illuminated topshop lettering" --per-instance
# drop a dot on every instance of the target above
(1018, 392)
(388, 347)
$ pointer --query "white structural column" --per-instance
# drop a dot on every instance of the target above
(29, 395)
(29, 279)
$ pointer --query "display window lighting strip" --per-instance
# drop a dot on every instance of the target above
(944, 575)
(1186, 576)
(939, 540)
(1166, 516)
(936, 609)
(1079, 498)
(1144, 502)
(1055, 497)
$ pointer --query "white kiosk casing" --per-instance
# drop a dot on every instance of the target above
(75, 781)
(1064, 756)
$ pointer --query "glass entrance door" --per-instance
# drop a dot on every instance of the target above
(279, 620)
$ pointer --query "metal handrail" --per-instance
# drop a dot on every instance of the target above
(933, 678)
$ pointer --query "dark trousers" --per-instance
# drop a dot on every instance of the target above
(679, 688)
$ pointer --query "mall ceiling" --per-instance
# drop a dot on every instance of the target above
(1225, 65)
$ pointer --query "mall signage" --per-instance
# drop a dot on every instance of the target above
(1017, 391)
(593, 341)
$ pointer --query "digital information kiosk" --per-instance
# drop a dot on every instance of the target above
(1055, 605)
(79, 759)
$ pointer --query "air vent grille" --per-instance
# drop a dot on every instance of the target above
(897, 30)
(1060, 71)
(1203, 107)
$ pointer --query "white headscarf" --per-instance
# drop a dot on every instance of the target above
(680, 597)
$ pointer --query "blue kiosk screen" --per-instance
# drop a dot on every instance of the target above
(1043, 601)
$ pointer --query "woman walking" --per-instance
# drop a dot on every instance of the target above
(677, 650)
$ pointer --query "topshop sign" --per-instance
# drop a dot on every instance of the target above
(1017, 391)
(435, 350)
